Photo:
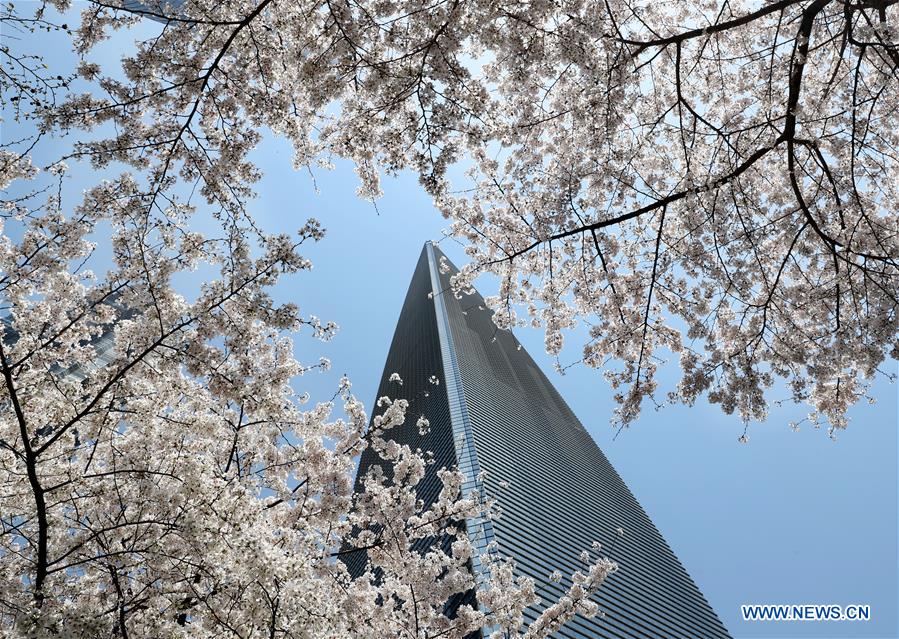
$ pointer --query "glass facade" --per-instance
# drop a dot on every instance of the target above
(495, 411)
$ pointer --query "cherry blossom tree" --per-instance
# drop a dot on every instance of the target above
(160, 474)
(713, 180)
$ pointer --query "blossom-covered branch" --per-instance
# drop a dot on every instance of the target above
(764, 135)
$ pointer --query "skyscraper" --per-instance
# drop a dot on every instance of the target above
(495, 411)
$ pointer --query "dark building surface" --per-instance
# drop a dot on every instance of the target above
(495, 411)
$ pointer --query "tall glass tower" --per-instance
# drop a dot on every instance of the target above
(495, 411)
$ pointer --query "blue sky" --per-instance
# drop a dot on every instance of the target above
(791, 517)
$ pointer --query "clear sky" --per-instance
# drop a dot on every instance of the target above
(790, 517)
